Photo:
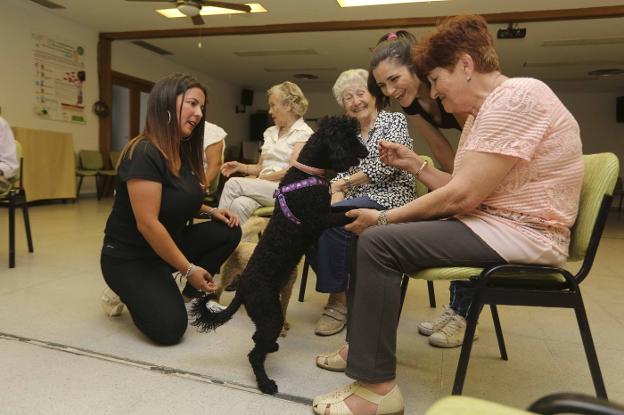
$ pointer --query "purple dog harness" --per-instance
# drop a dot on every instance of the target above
(301, 184)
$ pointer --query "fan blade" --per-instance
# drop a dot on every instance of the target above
(224, 5)
(197, 20)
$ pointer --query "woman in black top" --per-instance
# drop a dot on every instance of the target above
(160, 187)
(391, 76)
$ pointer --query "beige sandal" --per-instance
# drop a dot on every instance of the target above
(388, 404)
(332, 361)
(333, 319)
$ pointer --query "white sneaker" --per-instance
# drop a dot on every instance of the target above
(111, 303)
(427, 328)
(451, 335)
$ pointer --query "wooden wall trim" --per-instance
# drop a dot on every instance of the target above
(105, 81)
(507, 17)
(130, 81)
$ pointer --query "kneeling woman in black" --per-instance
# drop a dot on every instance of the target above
(391, 76)
(159, 189)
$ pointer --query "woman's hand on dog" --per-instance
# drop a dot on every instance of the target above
(201, 280)
(226, 216)
(364, 218)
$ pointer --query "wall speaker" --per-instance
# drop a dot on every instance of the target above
(247, 97)
(619, 109)
(258, 123)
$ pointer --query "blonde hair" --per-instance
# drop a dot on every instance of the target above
(349, 77)
(291, 94)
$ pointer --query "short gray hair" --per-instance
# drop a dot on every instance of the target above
(290, 93)
(349, 77)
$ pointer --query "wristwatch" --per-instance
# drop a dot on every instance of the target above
(382, 219)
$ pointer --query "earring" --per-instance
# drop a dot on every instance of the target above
(169, 115)
(468, 78)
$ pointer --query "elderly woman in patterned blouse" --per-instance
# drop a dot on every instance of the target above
(370, 185)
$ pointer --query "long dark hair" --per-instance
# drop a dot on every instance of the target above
(162, 128)
(396, 46)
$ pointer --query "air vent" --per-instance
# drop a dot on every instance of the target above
(606, 72)
(572, 63)
(255, 53)
(321, 69)
(49, 4)
(307, 76)
(151, 48)
(584, 42)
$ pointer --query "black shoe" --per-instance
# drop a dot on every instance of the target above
(233, 286)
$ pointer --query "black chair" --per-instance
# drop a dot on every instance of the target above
(15, 198)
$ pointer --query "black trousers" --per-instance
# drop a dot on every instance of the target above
(148, 289)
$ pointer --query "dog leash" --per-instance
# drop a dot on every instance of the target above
(301, 184)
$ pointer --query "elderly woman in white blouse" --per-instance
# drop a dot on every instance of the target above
(282, 144)
(372, 184)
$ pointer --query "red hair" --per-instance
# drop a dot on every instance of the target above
(453, 37)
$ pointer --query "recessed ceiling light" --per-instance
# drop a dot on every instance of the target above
(212, 11)
(355, 3)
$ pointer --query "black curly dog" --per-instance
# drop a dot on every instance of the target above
(334, 146)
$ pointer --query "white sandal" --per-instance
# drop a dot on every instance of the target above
(388, 404)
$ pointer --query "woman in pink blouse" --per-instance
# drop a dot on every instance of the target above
(513, 197)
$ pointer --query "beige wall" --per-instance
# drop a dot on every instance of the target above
(20, 19)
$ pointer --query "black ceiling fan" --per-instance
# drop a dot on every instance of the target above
(191, 8)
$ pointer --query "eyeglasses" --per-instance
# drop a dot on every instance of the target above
(349, 98)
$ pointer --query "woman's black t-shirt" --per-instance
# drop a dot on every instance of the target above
(181, 199)
(447, 121)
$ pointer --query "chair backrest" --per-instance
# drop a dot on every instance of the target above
(601, 172)
(420, 188)
(91, 160)
(114, 158)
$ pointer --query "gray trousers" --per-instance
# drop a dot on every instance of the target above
(243, 195)
(384, 254)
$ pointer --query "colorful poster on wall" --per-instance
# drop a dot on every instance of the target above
(59, 77)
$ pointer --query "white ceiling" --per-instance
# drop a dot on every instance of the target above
(564, 67)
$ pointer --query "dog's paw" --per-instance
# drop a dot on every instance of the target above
(284, 330)
(269, 387)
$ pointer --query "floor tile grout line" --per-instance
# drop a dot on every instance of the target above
(166, 370)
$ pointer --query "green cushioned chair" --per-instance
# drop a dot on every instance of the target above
(264, 212)
(558, 403)
(542, 286)
(15, 198)
(91, 164)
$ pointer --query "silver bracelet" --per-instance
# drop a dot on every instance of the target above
(189, 270)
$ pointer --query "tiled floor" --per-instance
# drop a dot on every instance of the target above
(60, 355)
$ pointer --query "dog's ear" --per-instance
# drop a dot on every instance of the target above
(344, 148)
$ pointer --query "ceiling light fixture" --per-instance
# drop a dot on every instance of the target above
(357, 3)
(211, 11)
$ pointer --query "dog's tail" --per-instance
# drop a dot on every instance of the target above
(206, 316)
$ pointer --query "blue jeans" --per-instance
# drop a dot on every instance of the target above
(331, 257)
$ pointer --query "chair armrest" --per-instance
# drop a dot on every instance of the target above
(574, 403)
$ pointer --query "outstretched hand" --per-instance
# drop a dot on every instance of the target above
(396, 155)
(363, 219)
(201, 280)
(226, 216)
(231, 167)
